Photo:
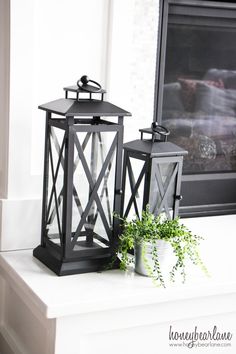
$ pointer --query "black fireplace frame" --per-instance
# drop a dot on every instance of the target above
(203, 194)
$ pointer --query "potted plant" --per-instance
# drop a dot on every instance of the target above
(154, 240)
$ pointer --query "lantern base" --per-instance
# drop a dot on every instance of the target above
(68, 267)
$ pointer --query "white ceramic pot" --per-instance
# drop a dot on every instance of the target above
(166, 256)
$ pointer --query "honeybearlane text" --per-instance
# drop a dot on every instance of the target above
(196, 335)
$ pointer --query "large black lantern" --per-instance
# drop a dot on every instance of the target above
(152, 174)
(82, 180)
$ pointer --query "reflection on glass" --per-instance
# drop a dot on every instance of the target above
(199, 100)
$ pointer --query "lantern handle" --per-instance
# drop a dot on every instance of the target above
(160, 129)
(83, 84)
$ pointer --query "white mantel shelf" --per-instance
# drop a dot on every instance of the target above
(78, 314)
(100, 291)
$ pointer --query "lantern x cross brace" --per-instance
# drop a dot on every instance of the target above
(94, 188)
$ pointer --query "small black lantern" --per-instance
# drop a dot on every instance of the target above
(153, 169)
(82, 180)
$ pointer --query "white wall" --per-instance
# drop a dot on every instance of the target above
(52, 43)
(133, 61)
(70, 40)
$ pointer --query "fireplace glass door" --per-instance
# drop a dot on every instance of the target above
(199, 100)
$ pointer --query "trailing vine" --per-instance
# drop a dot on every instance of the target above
(148, 230)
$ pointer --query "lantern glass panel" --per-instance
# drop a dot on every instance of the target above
(163, 185)
(132, 176)
(93, 184)
(55, 185)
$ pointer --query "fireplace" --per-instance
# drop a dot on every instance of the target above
(196, 99)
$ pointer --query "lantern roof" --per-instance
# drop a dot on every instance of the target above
(155, 149)
(83, 108)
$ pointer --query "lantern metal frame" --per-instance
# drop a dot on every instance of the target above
(153, 153)
(64, 258)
